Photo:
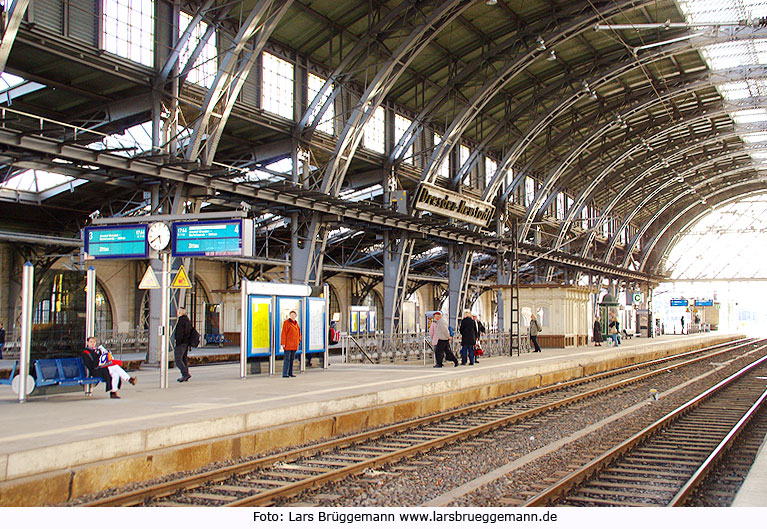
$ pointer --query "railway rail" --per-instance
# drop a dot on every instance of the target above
(264, 480)
(663, 464)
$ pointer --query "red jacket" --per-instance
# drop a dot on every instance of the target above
(290, 337)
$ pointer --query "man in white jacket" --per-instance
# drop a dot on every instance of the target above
(439, 333)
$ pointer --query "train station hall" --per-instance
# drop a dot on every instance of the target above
(400, 262)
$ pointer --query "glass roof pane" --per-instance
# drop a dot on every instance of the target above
(753, 115)
(35, 181)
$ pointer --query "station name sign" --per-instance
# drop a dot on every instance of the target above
(450, 204)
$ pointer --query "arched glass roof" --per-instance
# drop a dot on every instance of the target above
(728, 243)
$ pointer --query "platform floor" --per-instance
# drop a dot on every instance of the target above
(60, 431)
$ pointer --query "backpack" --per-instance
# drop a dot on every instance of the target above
(334, 336)
(194, 338)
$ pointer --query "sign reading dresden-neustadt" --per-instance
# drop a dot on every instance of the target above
(450, 204)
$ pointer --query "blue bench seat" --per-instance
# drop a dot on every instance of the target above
(216, 338)
(9, 381)
(63, 372)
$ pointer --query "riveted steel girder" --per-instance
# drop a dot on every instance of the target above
(14, 15)
(175, 52)
(232, 73)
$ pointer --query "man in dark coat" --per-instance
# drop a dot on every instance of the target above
(468, 330)
(181, 350)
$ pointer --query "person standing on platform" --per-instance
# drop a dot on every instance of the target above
(597, 333)
(480, 334)
(682, 325)
(535, 328)
(183, 338)
(2, 339)
(290, 339)
(614, 329)
(469, 334)
(440, 339)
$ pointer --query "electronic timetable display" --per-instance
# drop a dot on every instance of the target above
(216, 238)
(116, 242)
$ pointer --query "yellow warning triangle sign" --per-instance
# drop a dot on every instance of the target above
(181, 280)
(149, 281)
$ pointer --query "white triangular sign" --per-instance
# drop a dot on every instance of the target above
(149, 281)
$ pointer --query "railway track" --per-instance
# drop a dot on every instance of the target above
(665, 463)
(264, 480)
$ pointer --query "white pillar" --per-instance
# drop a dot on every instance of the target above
(27, 295)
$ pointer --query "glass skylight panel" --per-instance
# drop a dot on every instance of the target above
(491, 166)
(374, 137)
(529, 190)
(444, 168)
(277, 86)
(8, 80)
(205, 67)
(702, 11)
(133, 141)
(401, 124)
(755, 137)
(35, 181)
(314, 85)
(752, 115)
(128, 29)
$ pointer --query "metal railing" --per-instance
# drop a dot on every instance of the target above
(378, 348)
(133, 341)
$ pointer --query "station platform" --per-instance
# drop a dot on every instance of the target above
(60, 447)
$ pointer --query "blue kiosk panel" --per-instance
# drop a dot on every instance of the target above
(116, 242)
(260, 328)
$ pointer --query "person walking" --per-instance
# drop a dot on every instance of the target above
(439, 332)
(614, 329)
(183, 338)
(597, 333)
(2, 339)
(535, 328)
(469, 334)
(290, 339)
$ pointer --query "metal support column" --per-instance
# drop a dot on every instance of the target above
(27, 295)
(90, 302)
(244, 328)
(164, 321)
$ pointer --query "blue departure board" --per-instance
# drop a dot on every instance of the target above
(679, 302)
(704, 302)
(215, 238)
(116, 242)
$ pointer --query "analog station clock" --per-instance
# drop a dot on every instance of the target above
(158, 235)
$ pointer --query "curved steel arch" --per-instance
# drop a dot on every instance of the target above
(659, 213)
(696, 216)
(736, 195)
(419, 38)
(647, 101)
(232, 73)
(588, 192)
(531, 54)
(694, 169)
(665, 51)
(16, 12)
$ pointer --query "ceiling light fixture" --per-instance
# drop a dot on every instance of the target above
(552, 56)
(491, 2)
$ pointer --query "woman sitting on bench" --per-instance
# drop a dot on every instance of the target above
(101, 364)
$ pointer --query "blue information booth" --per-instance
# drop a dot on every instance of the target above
(265, 306)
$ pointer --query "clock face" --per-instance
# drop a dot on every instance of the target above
(158, 235)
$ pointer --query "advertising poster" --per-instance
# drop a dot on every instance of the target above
(316, 323)
(260, 325)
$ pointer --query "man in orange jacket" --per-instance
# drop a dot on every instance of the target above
(290, 339)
